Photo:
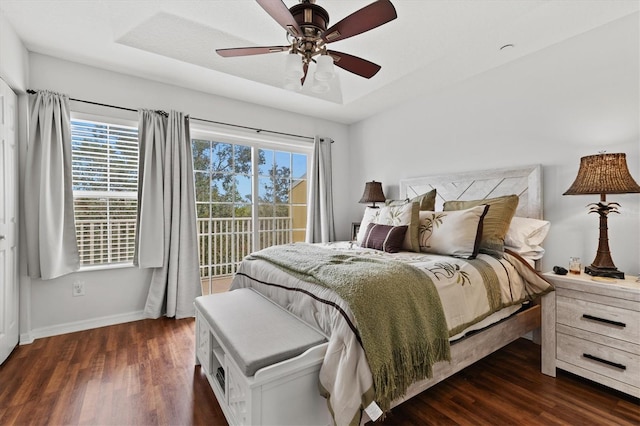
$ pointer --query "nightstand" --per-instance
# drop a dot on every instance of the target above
(355, 228)
(592, 328)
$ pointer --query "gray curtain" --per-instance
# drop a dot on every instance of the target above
(149, 248)
(166, 200)
(52, 249)
(320, 225)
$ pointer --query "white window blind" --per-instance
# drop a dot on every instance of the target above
(105, 185)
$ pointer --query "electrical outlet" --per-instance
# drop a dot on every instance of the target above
(78, 288)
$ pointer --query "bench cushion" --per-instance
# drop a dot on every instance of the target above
(254, 330)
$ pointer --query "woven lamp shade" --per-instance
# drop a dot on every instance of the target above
(372, 193)
(603, 174)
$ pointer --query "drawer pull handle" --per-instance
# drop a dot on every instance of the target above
(604, 361)
(606, 321)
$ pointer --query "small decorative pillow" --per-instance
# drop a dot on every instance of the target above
(427, 201)
(384, 237)
(495, 224)
(454, 233)
(406, 214)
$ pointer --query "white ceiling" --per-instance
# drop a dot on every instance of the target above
(432, 44)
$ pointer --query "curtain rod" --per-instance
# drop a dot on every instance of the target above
(253, 128)
(31, 91)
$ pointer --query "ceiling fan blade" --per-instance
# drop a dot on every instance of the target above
(279, 11)
(354, 64)
(246, 51)
(369, 17)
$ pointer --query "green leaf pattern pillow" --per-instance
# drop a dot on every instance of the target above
(453, 233)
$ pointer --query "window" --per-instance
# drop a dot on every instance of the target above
(248, 196)
(105, 185)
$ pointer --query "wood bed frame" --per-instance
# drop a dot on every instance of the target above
(526, 182)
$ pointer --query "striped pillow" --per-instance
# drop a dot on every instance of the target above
(384, 237)
(495, 224)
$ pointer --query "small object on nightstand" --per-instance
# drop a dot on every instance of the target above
(574, 265)
(559, 270)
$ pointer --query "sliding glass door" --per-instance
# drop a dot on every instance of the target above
(282, 196)
(247, 198)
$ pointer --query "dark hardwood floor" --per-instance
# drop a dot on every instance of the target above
(142, 373)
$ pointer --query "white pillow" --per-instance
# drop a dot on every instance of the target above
(525, 235)
(406, 214)
(454, 233)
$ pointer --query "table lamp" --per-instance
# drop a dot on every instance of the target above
(372, 194)
(603, 174)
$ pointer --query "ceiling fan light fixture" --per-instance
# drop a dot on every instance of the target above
(324, 68)
(293, 66)
(293, 84)
(320, 86)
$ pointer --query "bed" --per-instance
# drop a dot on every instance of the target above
(373, 362)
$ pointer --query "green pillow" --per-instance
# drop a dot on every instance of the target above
(496, 222)
(426, 201)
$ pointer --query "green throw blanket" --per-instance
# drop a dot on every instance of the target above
(396, 306)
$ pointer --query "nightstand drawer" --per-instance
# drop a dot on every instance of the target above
(604, 360)
(607, 320)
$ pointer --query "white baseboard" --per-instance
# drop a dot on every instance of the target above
(26, 339)
(71, 327)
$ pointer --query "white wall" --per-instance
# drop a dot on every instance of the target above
(13, 57)
(572, 99)
(118, 295)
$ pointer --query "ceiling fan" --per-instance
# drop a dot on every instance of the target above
(306, 26)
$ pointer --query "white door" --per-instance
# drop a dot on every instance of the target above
(9, 302)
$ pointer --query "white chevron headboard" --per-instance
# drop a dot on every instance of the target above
(526, 182)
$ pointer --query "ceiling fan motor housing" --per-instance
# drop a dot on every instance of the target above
(311, 18)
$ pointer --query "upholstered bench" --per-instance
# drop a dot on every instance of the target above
(259, 359)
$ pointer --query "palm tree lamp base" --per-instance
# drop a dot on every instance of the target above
(604, 272)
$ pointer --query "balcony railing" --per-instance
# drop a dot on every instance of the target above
(99, 243)
(223, 242)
